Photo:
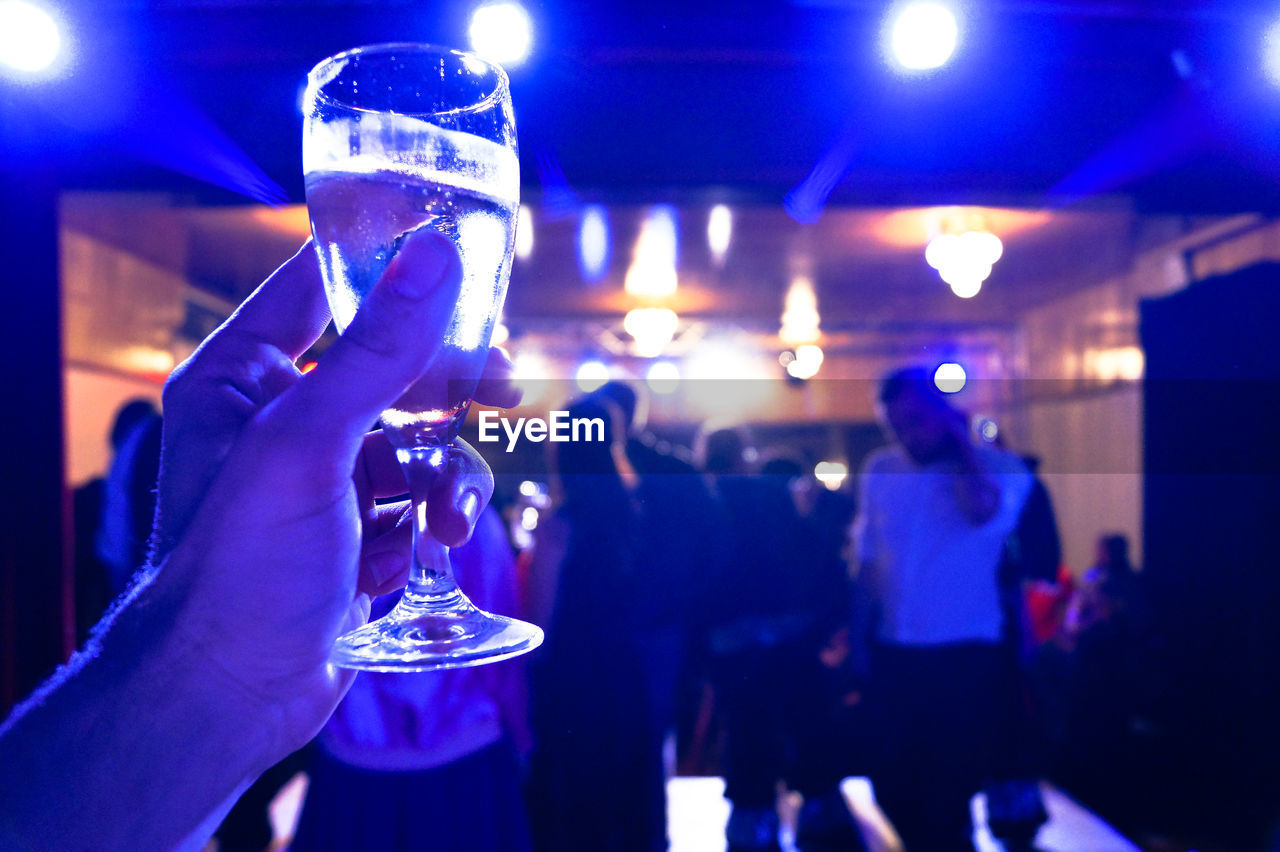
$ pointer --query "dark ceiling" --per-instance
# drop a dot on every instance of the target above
(1044, 102)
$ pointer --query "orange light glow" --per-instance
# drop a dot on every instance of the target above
(914, 227)
(291, 220)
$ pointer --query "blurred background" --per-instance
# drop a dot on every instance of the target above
(1065, 211)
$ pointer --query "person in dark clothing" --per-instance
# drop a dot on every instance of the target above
(768, 625)
(825, 516)
(677, 543)
(1033, 553)
(596, 772)
(129, 499)
(824, 721)
(112, 515)
(1098, 685)
(92, 583)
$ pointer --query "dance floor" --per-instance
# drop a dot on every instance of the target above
(697, 812)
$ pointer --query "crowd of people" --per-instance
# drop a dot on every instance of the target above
(902, 635)
(920, 634)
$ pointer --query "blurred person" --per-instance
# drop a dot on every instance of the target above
(933, 517)
(95, 581)
(826, 514)
(1031, 563)
(268, 544)
(1033, 555)
(824, 718)
(596, 772)
(677, 544)
(1104, 591)
(770, 620)
(1096, 672)
(129, 499)
(452, 738)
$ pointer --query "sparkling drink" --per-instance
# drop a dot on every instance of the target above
(360, 218)
(398, 138)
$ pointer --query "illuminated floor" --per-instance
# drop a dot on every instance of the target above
(697, 813)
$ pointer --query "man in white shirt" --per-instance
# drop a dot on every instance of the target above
(934, 514)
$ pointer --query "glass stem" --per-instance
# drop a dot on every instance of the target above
(431, 582)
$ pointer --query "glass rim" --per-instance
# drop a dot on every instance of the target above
(316, 87)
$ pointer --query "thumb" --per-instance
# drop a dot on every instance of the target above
(397, 331)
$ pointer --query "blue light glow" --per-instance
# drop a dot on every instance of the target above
(923, 36)
(1271, 53)
(501, 32)
(593, 242)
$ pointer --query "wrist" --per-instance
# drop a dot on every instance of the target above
(286, 689)
(136, 718)
(153, 648)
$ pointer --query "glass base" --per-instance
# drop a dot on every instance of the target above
(423, 635)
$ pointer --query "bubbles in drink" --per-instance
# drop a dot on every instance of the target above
(360, 218)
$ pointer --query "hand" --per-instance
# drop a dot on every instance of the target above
(267, 530)
(214, 665)
(959, 441)
(977, 493)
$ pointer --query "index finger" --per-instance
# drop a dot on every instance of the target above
(380, 468)
(288, 310)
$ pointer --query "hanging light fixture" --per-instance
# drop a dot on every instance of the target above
(652, 329)
(652, 273)
(800, 318)
(964, 260)
(803, 363)
(719, 232)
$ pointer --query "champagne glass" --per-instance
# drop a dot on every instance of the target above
(400, 137)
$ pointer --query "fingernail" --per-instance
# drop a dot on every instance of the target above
(421, 263)
(384, 567)
(469, 506)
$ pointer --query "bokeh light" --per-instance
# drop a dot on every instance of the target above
(831, 474)
(593, 242)
(806, 362)
(591, 375)
(949, 377)
(964, 287)
(652, 329)
(1271, 53)
(923, 36)
(530, 372)
(652, 273)
(719, 232)
(800, 318)
(662, 377)
(524, 232)
(30, 40)
(964, 260)
(502, 33)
